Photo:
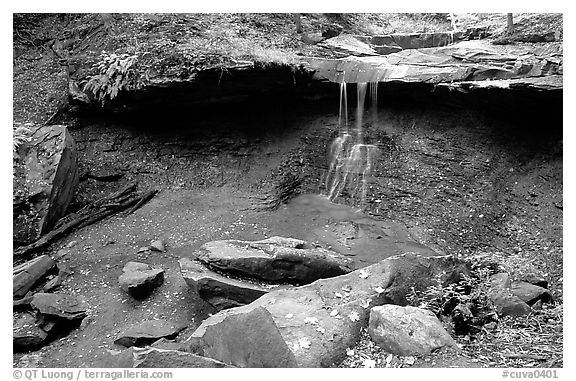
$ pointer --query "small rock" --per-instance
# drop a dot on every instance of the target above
(147, 332)
(158, 245)
(407, 331)
(530, 293)
(139, 279)
(26, 334)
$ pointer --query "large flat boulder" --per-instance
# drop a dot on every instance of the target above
(407, 331)
(219, 291)
(275, 259)
(45, 178)
(320, 320)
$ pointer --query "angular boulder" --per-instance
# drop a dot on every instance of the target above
(320, 320)
(27, 335)
(531, 294)
(45, 178)
(61, 306)
(147, 332)
(275, 259)
(139, 279)
(505, 302)
(224, 339)
(407, 331)
(219, 291)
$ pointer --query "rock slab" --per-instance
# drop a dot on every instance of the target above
(319, 321)
(147, 332)
(224, 338)
(407, 331)
(60, 306)
(219, 291)
(45, 178)
(275, 259)
(139, 279)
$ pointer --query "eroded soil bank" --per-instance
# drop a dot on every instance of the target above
(457, 178)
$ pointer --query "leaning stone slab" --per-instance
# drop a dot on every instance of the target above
(275, 259)
(61, 306)
(139, 279)
(407, 331)
(219, 291)
(317, 322)
(505, 302)
(147, 332)
(45, 178)
(224, 338)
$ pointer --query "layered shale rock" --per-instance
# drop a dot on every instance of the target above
(276, 259)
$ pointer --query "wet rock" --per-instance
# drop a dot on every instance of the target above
(416, 40)
(158, 245)
(505, 302)
(26, 333)
(407, 331)
(45, 178)
(247, 339)
(219, 291)
(345, 45)
(530, 294)
(464, 61)
(29, 274)
(275, 259)
(147, 332)
(62, 306)
(139, 279)
(320, 320)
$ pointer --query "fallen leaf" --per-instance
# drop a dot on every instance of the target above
(365, 303)
(349, 352)
(363, 274)
(289, 316)
(409, 360)
(304, 342)
(379, 290)
(321, 330)
(338, 295)
(368, 363)
(311, 320)
(354, 316)
(334, 313)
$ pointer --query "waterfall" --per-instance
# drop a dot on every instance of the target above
(350, 160)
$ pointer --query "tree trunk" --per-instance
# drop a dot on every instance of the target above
(298, 21)
(510, 27)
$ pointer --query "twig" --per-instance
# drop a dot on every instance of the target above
(523, 356)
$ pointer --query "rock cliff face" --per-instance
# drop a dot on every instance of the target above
(45, 178)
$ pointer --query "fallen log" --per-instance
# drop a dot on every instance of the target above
(99, 210)
(31, 272)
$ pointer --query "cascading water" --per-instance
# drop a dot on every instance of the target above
(350, 160)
